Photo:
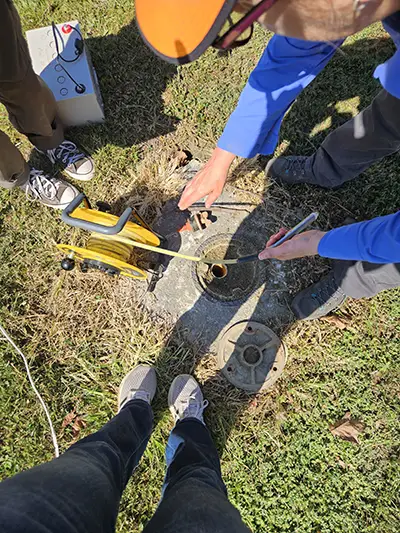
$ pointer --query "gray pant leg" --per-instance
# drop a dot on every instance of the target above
(359, 279)
(356, 145)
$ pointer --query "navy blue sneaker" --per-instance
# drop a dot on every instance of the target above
(319, 299)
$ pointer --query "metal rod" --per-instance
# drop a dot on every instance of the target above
(301, 226)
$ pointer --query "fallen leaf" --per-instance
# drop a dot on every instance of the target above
(340, 323)
(77, 426)
(253, 404)
(376, 377)
(380, 423)
(68, 419)
(342, 464)
(347, 429)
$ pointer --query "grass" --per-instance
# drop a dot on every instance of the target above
(283, 468)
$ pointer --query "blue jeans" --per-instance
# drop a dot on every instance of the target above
(80, 491)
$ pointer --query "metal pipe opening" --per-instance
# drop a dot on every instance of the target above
(219, 271)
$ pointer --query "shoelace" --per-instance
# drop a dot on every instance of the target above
(135, 395)
(191, 407)
(139, 395)
(67, 152)
(40, 186)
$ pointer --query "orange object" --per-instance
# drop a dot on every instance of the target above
(179, 31)
(186, 227)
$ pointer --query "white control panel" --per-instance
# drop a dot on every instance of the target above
(69, 73)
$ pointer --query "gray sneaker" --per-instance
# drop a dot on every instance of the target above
(185, 398)
(319, 299)
(49, 190)
(76, 163)
(291, 169)
(139, 384)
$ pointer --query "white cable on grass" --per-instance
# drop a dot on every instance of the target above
(53, 434)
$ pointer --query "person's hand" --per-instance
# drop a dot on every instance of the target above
(209, 181)
(302, 245)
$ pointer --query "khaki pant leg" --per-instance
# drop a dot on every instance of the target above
(13, 169)
(30, 103)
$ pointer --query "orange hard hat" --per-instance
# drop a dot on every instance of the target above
(179, 31)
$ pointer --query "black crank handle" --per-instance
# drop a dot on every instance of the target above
(92, 226)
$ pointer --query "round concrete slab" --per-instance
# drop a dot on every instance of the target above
(197, 313)
(226, 284)
(251, 356)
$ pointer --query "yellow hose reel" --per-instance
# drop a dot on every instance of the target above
(112, 239)
(110, 244)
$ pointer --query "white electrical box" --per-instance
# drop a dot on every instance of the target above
(69, 73)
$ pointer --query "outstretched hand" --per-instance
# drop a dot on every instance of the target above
(209, 181)
(303, 245)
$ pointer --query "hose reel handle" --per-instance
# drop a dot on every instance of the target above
(93, 226)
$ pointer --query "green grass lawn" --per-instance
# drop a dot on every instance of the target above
(283, 468)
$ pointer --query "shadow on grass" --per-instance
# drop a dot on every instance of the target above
(132, 81)
(321, 107)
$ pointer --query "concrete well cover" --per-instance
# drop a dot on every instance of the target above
(201, 307)
(239, 281)
(251, 356)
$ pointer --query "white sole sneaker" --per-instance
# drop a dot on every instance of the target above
(185, 398)
(140, 384)
(67, 155)
(50, 191)
(80, 177)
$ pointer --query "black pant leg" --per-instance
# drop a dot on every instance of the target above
(80, 491)
(359, 143)
(195, 498)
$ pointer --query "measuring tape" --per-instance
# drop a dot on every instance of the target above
(301, 226)
(195, 259)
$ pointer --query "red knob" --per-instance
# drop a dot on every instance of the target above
(66, 28)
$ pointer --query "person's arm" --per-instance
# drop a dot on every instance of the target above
(286, 67)
(374, 241)
(388, 72)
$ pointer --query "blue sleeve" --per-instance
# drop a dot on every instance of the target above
(375, 241)
(286, 67)
(388, 73)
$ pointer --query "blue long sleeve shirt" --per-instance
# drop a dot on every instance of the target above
(286, 67)
(375, 241)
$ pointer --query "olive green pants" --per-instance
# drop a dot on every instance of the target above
(29, 102)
